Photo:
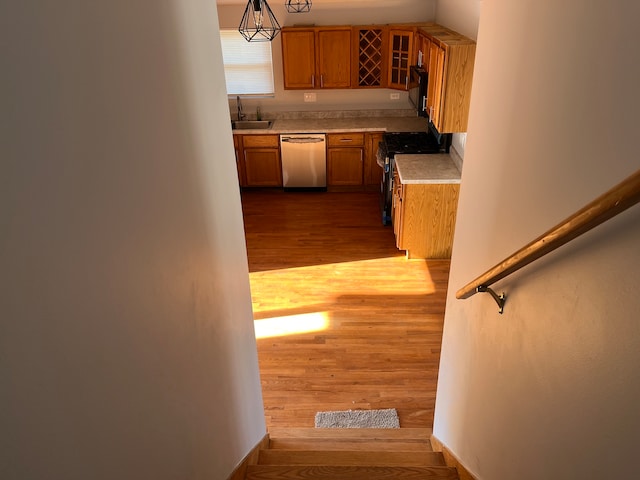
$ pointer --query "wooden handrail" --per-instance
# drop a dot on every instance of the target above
(619, 198)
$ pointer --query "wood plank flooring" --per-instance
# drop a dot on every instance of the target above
(357, 325)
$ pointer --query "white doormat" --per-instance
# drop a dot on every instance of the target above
(387, 418)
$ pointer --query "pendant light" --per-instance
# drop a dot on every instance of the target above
(298, 6)
(258, 23)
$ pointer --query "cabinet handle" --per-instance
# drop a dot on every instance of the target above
(313, 81)
(321, 81)
(346, 139)
(406, 82)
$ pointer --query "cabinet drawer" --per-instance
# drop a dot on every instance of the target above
(249, 141)
(347, 139)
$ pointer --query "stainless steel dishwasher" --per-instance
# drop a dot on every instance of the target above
(304, 161)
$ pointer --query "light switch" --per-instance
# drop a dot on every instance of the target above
(309, 97)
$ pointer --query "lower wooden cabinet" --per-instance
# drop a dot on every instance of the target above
(345, 159)
(261, 161)
(262, 167)
(372, 171)
(237, 146)
(424, 218)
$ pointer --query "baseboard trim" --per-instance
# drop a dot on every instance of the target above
(450, 459)
(251, 459)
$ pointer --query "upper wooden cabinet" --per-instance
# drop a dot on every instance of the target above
(421, 50)
(318, 57)
(450, 67)
(369, 67)
(299, 58)
(400, 58)
(380, 56)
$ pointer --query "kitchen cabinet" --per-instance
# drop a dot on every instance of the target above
(450, 67)
(237, 142)
(261, 158)
(316, 57)
(421, 50)
(396, 209)
(400, 58)
(424, 217)
(299, 58)
(345, 159)
(370, 56)
(372, 171)
(434, 87)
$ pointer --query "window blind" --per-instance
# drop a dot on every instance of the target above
(247, 65)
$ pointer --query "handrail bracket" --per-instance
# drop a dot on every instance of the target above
(500, 299)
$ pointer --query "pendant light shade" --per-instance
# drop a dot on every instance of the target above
(298, 6)
(258, 23)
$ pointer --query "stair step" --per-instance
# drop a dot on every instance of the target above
(329, 472)
(387, 433)
(387, 439)
(351, 457)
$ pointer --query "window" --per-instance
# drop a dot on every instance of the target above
(247, 65)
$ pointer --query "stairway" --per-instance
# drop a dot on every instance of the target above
(350, 454)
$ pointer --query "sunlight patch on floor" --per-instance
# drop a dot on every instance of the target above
(291, 325)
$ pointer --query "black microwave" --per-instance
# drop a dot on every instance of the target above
(418, 82)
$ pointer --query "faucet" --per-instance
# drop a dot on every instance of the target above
(241, 116)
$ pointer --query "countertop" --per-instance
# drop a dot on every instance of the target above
(329, 125)
(427, 169)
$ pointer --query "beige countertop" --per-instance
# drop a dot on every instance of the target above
(427, 169)
(329, 125)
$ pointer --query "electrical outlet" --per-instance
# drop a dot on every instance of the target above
(309, 97)
(394, 96)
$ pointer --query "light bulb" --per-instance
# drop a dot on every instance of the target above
(257, 18)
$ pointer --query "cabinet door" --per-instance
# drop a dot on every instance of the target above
(344, 166)
(400, 55)
(434, 91)
(372, 171)
(397, 210)
(428, 220)
(237, 142)
(370, 57)
(262, 167)
(423, 46)
(298, 58)
(334, 58)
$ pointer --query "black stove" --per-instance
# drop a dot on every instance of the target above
(418, 143)
(411, 142)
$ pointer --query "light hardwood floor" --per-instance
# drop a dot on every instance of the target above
(323, 262)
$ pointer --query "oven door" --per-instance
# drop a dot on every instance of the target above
(386, 191)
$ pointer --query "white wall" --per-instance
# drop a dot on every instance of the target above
(463, 16)
(126, 337)
(331, 13)
(460, 15)
(549, 389)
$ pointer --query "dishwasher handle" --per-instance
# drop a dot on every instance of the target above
(302, 139)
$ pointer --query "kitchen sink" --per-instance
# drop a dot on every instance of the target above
(251, 124)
